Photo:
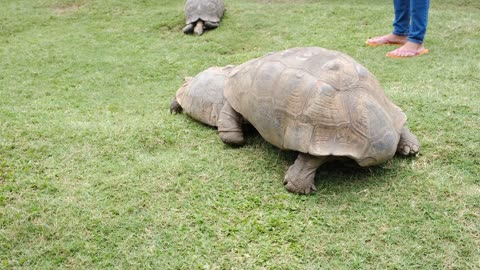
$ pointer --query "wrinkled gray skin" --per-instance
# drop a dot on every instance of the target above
(202, 15)
(318, 102)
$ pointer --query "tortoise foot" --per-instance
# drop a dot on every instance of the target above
(232, 137)
(230, 126)
(175, 107)
(211, 25)
(188, 29)
(298, 185)
(301, 175)
(408, 144)
(199, 27)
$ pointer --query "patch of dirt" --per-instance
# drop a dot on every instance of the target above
(66, 9)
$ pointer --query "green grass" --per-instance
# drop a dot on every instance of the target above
(95, 173)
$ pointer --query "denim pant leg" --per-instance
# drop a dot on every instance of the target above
(419, 16)
(401, 23)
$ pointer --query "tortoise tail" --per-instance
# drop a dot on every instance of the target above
(175, 107)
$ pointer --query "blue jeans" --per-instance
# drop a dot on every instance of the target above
(411, 18)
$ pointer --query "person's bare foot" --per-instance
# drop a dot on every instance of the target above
(389, 39)
(409, 49)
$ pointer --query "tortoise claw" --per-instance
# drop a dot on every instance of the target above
(290, 186)
(405, 150)
(310, 189)
(408, 144)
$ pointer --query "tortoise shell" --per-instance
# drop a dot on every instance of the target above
(201, 97)
(205, 10)
(319, 102)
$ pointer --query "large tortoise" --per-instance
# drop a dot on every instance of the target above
(202, 14)
(318, 102)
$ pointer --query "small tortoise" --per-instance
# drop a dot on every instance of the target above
(202, 14)
(318, 102)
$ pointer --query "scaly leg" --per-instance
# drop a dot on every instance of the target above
(211, 25)
(301, 175)
(175, 107)
(408, 144)
(198, 30)
(188, 29)
(230, 126)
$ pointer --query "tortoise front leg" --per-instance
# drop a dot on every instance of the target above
(175, 107)
(408, 144)
(230, 125)
(301, 175)
(198, 30)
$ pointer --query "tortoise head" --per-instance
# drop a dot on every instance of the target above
(175, 106)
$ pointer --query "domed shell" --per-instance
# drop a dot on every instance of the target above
(319, 102)
(206, 10)
(201, 97)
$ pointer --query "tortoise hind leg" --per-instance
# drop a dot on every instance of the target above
(188, 29)
(408, 144)
(301, 175)
(230, 126)
(211, 25)
(198, 30)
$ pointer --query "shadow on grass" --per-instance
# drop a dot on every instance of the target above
(333, 177)
(336, 175)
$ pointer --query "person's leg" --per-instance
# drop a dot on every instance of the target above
(416, 33)
(418, 26)
(401, 24)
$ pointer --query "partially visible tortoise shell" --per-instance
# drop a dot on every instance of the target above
(201, 97)
(205, 10)
(319, 102)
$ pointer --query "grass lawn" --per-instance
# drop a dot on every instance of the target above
(95, 173)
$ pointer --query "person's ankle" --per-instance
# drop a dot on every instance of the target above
(410, 44)
(397, 37)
